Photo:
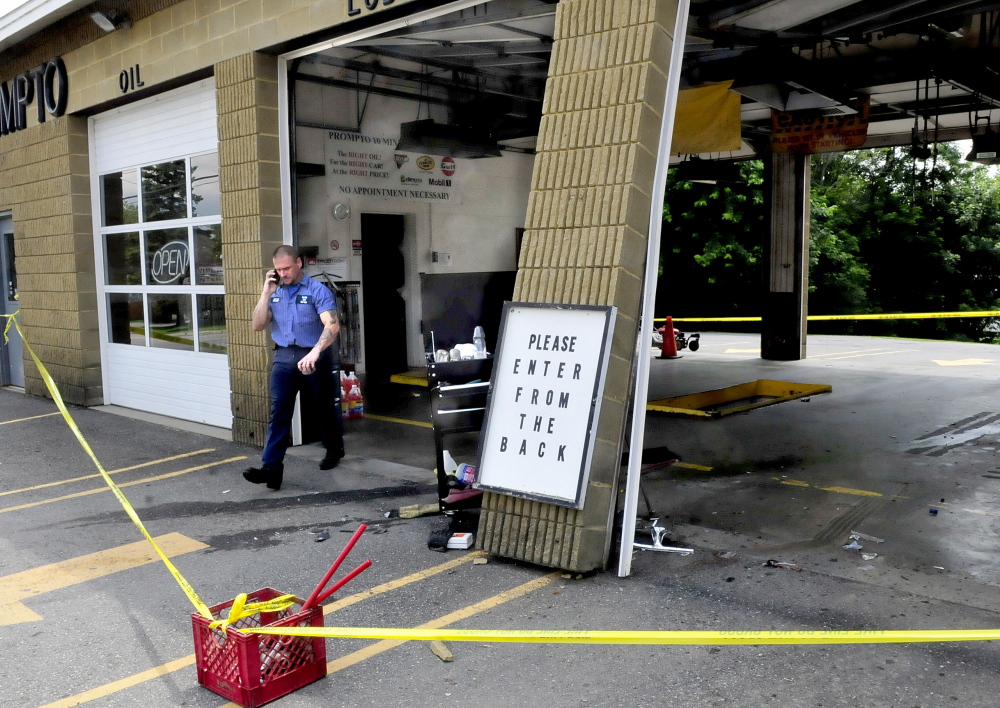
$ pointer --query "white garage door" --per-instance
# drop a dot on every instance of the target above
(157, 230)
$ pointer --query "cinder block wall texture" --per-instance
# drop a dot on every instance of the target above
(247, 99)
(44, 182)
(585, 240)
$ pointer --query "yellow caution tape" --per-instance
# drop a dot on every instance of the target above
(817, 318)
(241, 608)
(734, 637)
(200, 606)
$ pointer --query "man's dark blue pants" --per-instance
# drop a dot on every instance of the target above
(320, 393)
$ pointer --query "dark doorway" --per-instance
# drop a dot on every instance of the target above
(383, 277)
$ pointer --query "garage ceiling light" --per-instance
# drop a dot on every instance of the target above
(110, 20)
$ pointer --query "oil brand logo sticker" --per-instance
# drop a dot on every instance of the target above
(400, 160)
(426, 163)
(448, 166)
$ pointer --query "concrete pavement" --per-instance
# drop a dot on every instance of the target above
(908, 424)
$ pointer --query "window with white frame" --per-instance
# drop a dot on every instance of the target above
(161, 230)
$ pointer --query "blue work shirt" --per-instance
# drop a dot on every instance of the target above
(295, 311)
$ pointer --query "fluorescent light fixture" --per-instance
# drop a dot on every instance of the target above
(710, 171)
(779, 15)
(432, 138)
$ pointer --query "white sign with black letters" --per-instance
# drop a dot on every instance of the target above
(544, 402)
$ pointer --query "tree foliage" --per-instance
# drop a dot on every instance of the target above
(888, 234)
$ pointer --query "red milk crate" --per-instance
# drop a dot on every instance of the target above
(254, 669)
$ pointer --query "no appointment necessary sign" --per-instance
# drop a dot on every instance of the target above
(544, 401)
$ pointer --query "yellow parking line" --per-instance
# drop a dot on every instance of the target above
(33, 417)
(692, 466)
(120, 685)
(126, 484)
(393, 584)
(178, 664)
(849, 351)
(466, 612)
(838, 490)
(404, 421)
(855, 356)
(55, 576)
(123, 469)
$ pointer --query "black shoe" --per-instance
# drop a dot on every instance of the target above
(271, 477)
(331, 461)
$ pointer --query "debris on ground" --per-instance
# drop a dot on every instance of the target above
(438, 540)
(322, 536)
(782, 564)
(480, 561)
(441, 651)
(412, 512)
(866, 567)
(866, 537)
(728, 554)
(869, 556)
(853, 546)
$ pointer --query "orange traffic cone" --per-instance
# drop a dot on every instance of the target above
(668, 349)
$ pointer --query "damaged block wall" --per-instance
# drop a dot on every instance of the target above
(585, 241)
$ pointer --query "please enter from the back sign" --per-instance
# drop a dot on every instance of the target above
(544, 402)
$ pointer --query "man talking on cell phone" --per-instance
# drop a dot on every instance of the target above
(304, 326)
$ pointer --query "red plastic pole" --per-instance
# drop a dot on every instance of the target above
(344, 581)
(668, 349)
(314, 595)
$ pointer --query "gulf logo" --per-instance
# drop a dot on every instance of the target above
(448, 166)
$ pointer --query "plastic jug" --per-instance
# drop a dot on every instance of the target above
(355, 403)
(479, 339)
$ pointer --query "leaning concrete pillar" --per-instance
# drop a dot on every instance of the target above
(786, 258)
(585, 240)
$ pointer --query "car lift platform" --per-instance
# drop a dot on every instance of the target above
(712, 405)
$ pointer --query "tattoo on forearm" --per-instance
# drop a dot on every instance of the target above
(334, 317)
(327, 336)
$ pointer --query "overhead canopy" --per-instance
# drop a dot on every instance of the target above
(792, 55)
(933, 62)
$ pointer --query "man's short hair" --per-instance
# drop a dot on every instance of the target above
(284, 250)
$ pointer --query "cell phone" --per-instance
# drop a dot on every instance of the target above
(272, 275)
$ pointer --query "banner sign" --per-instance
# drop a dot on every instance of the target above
(544, 401)
(359, 165)
(808, 131)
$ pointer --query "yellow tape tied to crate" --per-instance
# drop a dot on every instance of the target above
(50, 384)
(734, 637)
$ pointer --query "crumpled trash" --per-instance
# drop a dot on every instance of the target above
(853, 546)
(322, 536)
(782, 564)
(869, 556)
(866, 537)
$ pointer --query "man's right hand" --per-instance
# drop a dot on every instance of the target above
(270, 282)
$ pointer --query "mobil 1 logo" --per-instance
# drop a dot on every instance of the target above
(544, 402)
